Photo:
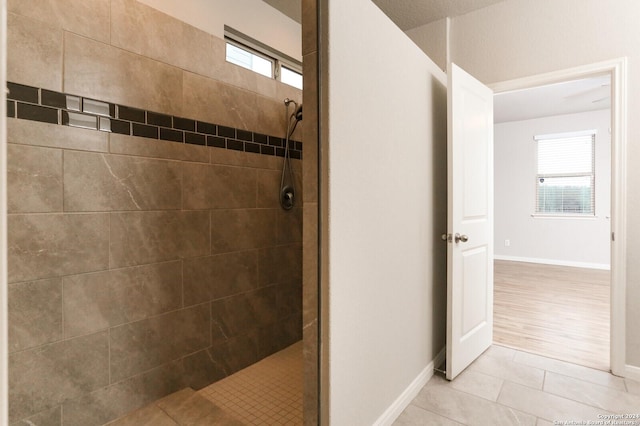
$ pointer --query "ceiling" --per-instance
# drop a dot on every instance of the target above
(588, 94)
(406, 14)
(556, 99)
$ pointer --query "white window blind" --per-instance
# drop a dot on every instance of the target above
(565, 179)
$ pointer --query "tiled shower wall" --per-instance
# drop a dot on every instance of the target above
(140, 266)
(310, 237)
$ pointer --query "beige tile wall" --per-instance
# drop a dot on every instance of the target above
(34, 46)
(138, 267)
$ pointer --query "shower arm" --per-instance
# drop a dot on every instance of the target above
(288, 101)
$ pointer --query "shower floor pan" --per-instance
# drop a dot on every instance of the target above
(268, 392)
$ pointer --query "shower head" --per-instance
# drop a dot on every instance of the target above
(297, 112)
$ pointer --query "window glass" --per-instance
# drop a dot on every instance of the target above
(291, 77)
(254, 55)
(247, 59)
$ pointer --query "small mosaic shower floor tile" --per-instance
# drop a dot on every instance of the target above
(266, 393)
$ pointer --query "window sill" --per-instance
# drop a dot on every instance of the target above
(564, 216)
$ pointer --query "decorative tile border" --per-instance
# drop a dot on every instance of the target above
(36, 104)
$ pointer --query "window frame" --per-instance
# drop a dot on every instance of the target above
(253, 52)
(277, 58)
(592, 175)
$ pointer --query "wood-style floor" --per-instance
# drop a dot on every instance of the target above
(555, 311)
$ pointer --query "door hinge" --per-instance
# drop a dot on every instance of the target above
(613, 236)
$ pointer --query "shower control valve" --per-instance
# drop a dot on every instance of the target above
(287, 196)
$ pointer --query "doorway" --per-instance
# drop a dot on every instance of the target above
(615, 71)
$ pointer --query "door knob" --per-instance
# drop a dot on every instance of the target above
(462, 238)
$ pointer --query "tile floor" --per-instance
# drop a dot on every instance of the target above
(508, 387)
(183, 408)
(266, 393)
(502, 387)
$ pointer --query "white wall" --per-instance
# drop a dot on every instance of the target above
(386, 210)
(518, 38)
(254, 18)
(573, 242)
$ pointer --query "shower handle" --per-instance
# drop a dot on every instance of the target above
(287, 196)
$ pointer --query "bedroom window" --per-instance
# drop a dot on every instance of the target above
(565, 178)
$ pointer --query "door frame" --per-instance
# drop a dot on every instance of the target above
(617, 68)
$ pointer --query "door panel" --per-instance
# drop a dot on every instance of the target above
(474, 299)
(470, 215)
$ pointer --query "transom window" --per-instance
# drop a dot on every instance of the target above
(240, 55)
(248, 53)
(565, 178)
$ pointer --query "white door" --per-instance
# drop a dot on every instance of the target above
(470, 220)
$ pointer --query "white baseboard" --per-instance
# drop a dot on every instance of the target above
(603, 266)
(393, 412)
(632, 372)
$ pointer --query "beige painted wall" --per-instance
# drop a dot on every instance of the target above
(520, 38)
(386, 210)
(264, 23)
